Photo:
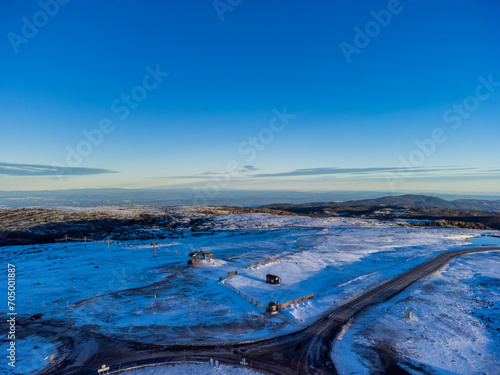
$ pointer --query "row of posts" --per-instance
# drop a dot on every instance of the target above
(108, 242)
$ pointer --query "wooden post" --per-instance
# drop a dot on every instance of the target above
(108, 243)
(66, 238)
(85, 238)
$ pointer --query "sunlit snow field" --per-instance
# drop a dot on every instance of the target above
(455, 327)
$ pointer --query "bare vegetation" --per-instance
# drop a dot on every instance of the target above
(21, 226)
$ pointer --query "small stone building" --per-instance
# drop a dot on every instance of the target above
(272, 279)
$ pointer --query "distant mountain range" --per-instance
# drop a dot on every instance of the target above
(406, 201)
(462, 213)
(245, 198)
(31, 225)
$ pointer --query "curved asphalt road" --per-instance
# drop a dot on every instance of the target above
(304, 352)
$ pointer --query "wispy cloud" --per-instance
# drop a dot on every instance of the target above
(333, 171)
(480, 176)
(244, 169)
(11, 169)
(249, 168)
(437, 173)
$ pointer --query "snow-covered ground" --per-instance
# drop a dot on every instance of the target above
(455, 328)
(337, 268)
(125, 292)
(192, 369)
(32, 354)
(267, 221)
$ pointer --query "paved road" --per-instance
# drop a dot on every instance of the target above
(304, 352)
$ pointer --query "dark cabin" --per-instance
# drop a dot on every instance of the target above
(272, 279)
(272, 307)
(198, 255)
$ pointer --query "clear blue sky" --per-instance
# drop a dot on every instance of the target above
(230, 70)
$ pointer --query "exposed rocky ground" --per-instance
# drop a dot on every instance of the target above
(455, 224)
(463, 213)
(408, 200)
(30, 225)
